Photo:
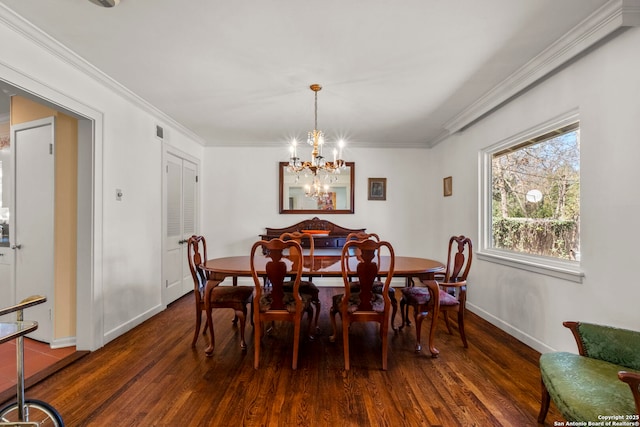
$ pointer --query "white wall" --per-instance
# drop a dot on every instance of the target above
(241, 198)
(605, 87)
(127, 242)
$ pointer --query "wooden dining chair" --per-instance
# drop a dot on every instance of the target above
(274, 302)
(307, 287)
(233, 297)
(377, 286)
(360, 303)
(452, 290)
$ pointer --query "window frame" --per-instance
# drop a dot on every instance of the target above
(563, 269)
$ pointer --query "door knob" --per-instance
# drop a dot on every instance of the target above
(182, 242)
(16, 247)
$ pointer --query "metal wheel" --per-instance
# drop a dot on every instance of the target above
(35, 411)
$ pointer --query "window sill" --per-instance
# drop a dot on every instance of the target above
(566, 270)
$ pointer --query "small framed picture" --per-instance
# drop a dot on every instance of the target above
(447, 186)
(377, 188)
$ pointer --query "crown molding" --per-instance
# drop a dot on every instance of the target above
(26, 29)
(611, 17)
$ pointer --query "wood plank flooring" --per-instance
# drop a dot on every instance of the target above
(151, 376)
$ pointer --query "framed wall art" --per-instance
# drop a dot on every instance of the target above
(377, 189)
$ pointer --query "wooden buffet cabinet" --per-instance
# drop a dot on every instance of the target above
(335, 238)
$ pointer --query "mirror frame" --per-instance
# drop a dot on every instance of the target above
(281, 168)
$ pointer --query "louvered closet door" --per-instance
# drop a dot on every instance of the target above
(181, 202)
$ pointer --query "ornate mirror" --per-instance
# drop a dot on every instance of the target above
(335, 198)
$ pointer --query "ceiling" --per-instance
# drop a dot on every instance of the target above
(238, 72)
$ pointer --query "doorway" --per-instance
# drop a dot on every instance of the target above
(70, 314)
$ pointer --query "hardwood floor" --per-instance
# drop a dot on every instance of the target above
(152, 377)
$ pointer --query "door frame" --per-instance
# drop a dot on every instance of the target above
(89, 290)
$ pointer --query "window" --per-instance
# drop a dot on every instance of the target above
(531, 200)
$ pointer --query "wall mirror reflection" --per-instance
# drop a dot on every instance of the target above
(336, 196)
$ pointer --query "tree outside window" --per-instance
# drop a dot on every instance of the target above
(535, 195)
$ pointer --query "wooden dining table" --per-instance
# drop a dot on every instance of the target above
(325, 266)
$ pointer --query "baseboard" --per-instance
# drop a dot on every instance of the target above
(63, 342)
(126, 327)
(511, 330)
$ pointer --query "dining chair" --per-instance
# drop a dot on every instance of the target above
(452, 285)
(307, 287)
(377, 286)
(360, 303)
(274, 302)
(233, 297)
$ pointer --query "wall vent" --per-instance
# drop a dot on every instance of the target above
(159, 132)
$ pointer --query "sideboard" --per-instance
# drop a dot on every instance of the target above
(335, 237)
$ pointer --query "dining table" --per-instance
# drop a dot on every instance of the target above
(408, 267)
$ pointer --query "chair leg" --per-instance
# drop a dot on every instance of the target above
(198, 324)
(384, 328)
(394, 310)
(310, 327)
(257, 332)
(432, 333)
(345, 342)
(209, 350)
(445, 314)
(461, 327)
(242, 316)
(404, 313)
(544, 403)
(296, 341)
(317, 304)
(332, 314)
(251, 304)
(418, 317)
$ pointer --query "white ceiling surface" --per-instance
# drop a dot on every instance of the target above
(238, 72)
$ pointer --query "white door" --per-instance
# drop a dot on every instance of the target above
(32, 233)
(181, 220)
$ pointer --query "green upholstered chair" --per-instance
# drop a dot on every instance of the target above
(591, 384)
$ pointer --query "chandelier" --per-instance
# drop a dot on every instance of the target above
(319, 168)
